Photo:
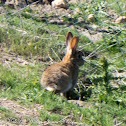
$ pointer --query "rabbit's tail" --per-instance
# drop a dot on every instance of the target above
(51, 87)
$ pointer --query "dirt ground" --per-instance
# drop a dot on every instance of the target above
(20, 111)
(24, 112)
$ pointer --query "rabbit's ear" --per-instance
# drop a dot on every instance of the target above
(71, 48)
(69, 38)
(74, 43)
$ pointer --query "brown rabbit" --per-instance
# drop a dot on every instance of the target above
(62, 77)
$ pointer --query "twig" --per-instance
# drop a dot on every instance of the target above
(55, 54)
(8, 64)
(118, 124)
(90, 55)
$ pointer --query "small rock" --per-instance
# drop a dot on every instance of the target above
(12, 2)
(95, 27)
(80, 19)
(121, 19)
(91, 18)
(10, 5)
(78, 102)
(60, 4)
(112, 14)
(76, 11)
(81, 103)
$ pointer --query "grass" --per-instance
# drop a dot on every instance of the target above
(29, 37)
(9, 116)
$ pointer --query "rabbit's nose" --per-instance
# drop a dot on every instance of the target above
(83, 55)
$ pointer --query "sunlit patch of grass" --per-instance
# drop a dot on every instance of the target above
(27, 89)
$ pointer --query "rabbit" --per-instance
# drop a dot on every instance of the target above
(62, 77)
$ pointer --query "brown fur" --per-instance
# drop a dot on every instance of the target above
(62, 77)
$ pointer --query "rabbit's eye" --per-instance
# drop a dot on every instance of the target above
(79, 56)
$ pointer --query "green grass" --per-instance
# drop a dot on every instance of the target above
(9, 116)
(28, 91)
(33, 37)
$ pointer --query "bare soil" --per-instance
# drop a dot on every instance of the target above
(21, 112)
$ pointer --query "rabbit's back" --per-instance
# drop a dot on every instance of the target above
(58, 77)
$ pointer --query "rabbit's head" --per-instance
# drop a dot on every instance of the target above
(72, 54)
